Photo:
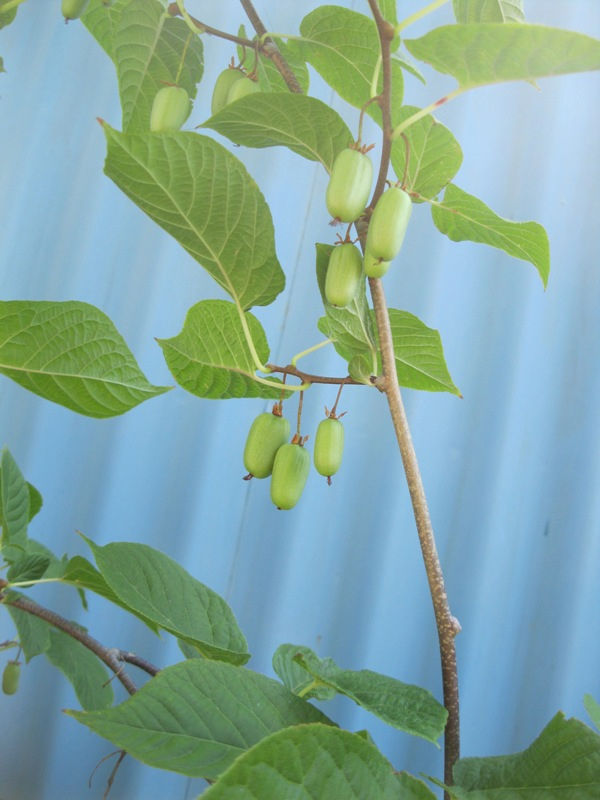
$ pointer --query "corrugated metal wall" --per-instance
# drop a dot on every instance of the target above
(512, 471)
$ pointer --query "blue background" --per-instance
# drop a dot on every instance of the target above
(511, 471)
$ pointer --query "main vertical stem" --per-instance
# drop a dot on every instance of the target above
(447, 625)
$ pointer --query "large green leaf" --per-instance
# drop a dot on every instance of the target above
(315, 761)
(150, 583)
(14, 505)
(34, 633)
(409, 708)
(204, 197)
(82, 669)
(72, 354)
(306, 125)
(269, 77)
(480, 54)
(84, 576)
(152, 49)
(102, 22)
(351, 328)
(501, 11)
(434, 155)
(211, 358)
(198, 716)
(463, 217)
(562, 764)
(343, 46)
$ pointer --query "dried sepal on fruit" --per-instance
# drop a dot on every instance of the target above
(267, 434)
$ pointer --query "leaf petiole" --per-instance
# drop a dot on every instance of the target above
(312, 349)
(423, 112)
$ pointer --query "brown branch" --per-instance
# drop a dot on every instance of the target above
(270, 49)
(138, 661)
(447, 625)
(307, 377)
(174, 11)
(109, 657)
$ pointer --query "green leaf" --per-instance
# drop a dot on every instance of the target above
(351, 328)
(467, 11)
(152, 49)
(203, 196)
(71, 353)
(14, 494)
(404, 706)
(82, 669)
(593, 709)
(563, 763)
(6, 17)
(463, 217)
(56, 566)
(35, 501)
(211, 358)
(269, 77)
(198, 716)
(34, 633)
(315, 761)
(103, 21)
(343, 47)
(150, 583)
(83, 575)
(303, 124)
(434, 155)
(2, 65)
(28, 568)
(296, 678)
(481, 54)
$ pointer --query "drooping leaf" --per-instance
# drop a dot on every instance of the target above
(296, 678)
(84, 576)
(30, 567)
(270, 78)
(351, 328)
(501, 11)
(71, 353)
(563, 763)
(315, 761)
(463, 217)
(152, 49)
(343, 47)
(34, 633)
(82, 669)
(486, 53)
(409, 708)
(593, 709)
(304, 124)
(56, 566)
(198, 716)
(434, 155)
(35, 501)
(103, 21)
(150, 583)
(211, 358)
(14, 494)
(203, 196)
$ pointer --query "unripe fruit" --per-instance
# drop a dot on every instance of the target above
(375, 267)
(241, 89)
(349, 186)
(388, 224)
(170, 109)
(329, 447)
(10, 677)
(344, 273)
(222, 88)
(290, 471)
(267, 434)
(72, 9)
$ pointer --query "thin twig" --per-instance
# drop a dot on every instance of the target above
(138, 661)
(270, 49)
(307, 377)
(108, 656)
(203, 28)
(447, 625)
